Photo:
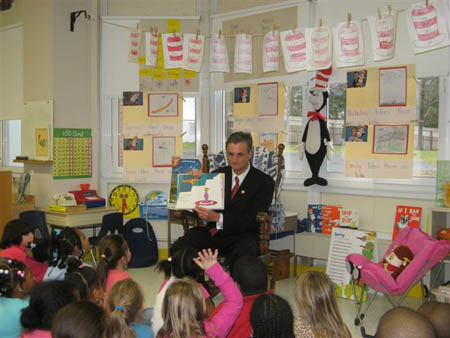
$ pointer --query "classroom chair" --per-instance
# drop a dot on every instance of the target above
(427, 251)
(142, 242)
(36, 218)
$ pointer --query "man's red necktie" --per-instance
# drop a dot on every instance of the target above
(214, 231)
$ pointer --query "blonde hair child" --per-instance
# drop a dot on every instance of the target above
(184, 309)
(126, 304)
(319, 314)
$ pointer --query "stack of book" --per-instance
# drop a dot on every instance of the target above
(60, 208)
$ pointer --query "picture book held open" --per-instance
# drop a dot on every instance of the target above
(206, 190)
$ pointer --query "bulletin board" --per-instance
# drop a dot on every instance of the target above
(154, 133)
(258, 24)
(262, 114)
(387, 122)
(72, 153)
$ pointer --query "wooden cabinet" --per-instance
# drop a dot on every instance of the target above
(5, 199)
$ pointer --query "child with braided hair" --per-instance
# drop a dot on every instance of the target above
(67, 250)
(114, 258)
(271, 317)
(125, 305)
(16, 282)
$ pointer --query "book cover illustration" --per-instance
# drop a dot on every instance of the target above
(181, 165)
(349, 218)
(331, 218)
(406, 216)
(206, 190)
(443, 184)
(315, 218)
(155, 206)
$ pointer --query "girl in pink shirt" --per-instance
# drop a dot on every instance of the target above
(17, 237)
(184, 310)
(114, 258)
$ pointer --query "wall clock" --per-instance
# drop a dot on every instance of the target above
(125, 198)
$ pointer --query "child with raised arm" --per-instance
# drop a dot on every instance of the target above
(184, 310)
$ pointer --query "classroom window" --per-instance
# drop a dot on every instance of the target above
(336, 119)
(189, 126)
(11, 142)
(293, 112)
(426, 131)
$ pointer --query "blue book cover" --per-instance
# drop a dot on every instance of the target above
(181, 165)
(315, 218)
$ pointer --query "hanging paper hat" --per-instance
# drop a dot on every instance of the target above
(425, 23)
(349, 41)
(322, 77)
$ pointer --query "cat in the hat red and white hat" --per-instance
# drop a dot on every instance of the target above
(316, 142)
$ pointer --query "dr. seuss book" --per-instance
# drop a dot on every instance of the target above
(206, 190)
(331, 218)
(181, 165)
(349, 218)
(406, 216)
(315, 218)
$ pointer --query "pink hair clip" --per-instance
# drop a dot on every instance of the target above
(21, 273)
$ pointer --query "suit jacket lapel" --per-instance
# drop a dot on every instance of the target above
(228, 178)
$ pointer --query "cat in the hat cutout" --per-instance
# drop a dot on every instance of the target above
(426, 26)
(316, 142)
(383, 29)
(348, 44)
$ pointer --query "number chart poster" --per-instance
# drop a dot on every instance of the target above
(72, 153)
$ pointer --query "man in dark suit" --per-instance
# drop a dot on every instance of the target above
(234, 230)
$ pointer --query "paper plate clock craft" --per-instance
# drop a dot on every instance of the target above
(316, 142)
(125, 198)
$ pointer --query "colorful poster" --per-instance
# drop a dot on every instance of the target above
(443, 184)
(133, 99)
(344, 242)
(331, 218)
(193, 45)
(268, 99)
(206, 190)
(383, 29)
(151, 48)
(269, 140)
(155, 206)
(172, 44)
(314, 218)
(356, 133)
(163, 104)
(271, 52)
(293, 45)
(133, 50)
(318, 48)
(72, 153)
(181, 165)
(243, 54)
(218, 54)
(406, 216)
(426, 26)
(348, 44)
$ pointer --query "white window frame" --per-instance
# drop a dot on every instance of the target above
(18, 167)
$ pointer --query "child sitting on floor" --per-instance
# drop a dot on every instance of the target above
(180, 265)
(16, 283)
(67, 251)
(46, 300)
(184, 309)
(271, 317)
(317, 304)
(114, 258)
(125, 304)
(250, 274)
(439, 316)
(81, 319)
(17, 237)
(85, 279)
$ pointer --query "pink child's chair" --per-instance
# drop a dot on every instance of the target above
(427, 251)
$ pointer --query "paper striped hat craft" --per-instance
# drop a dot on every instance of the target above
(322, 77)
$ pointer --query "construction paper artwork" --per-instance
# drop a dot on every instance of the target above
(271, 52)
(135, 41)
(193, 46)
(218, 55)
(172, 50)
(151, 49)
(243, 54)
(382, 31)
(318, 48)
(348, 44)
